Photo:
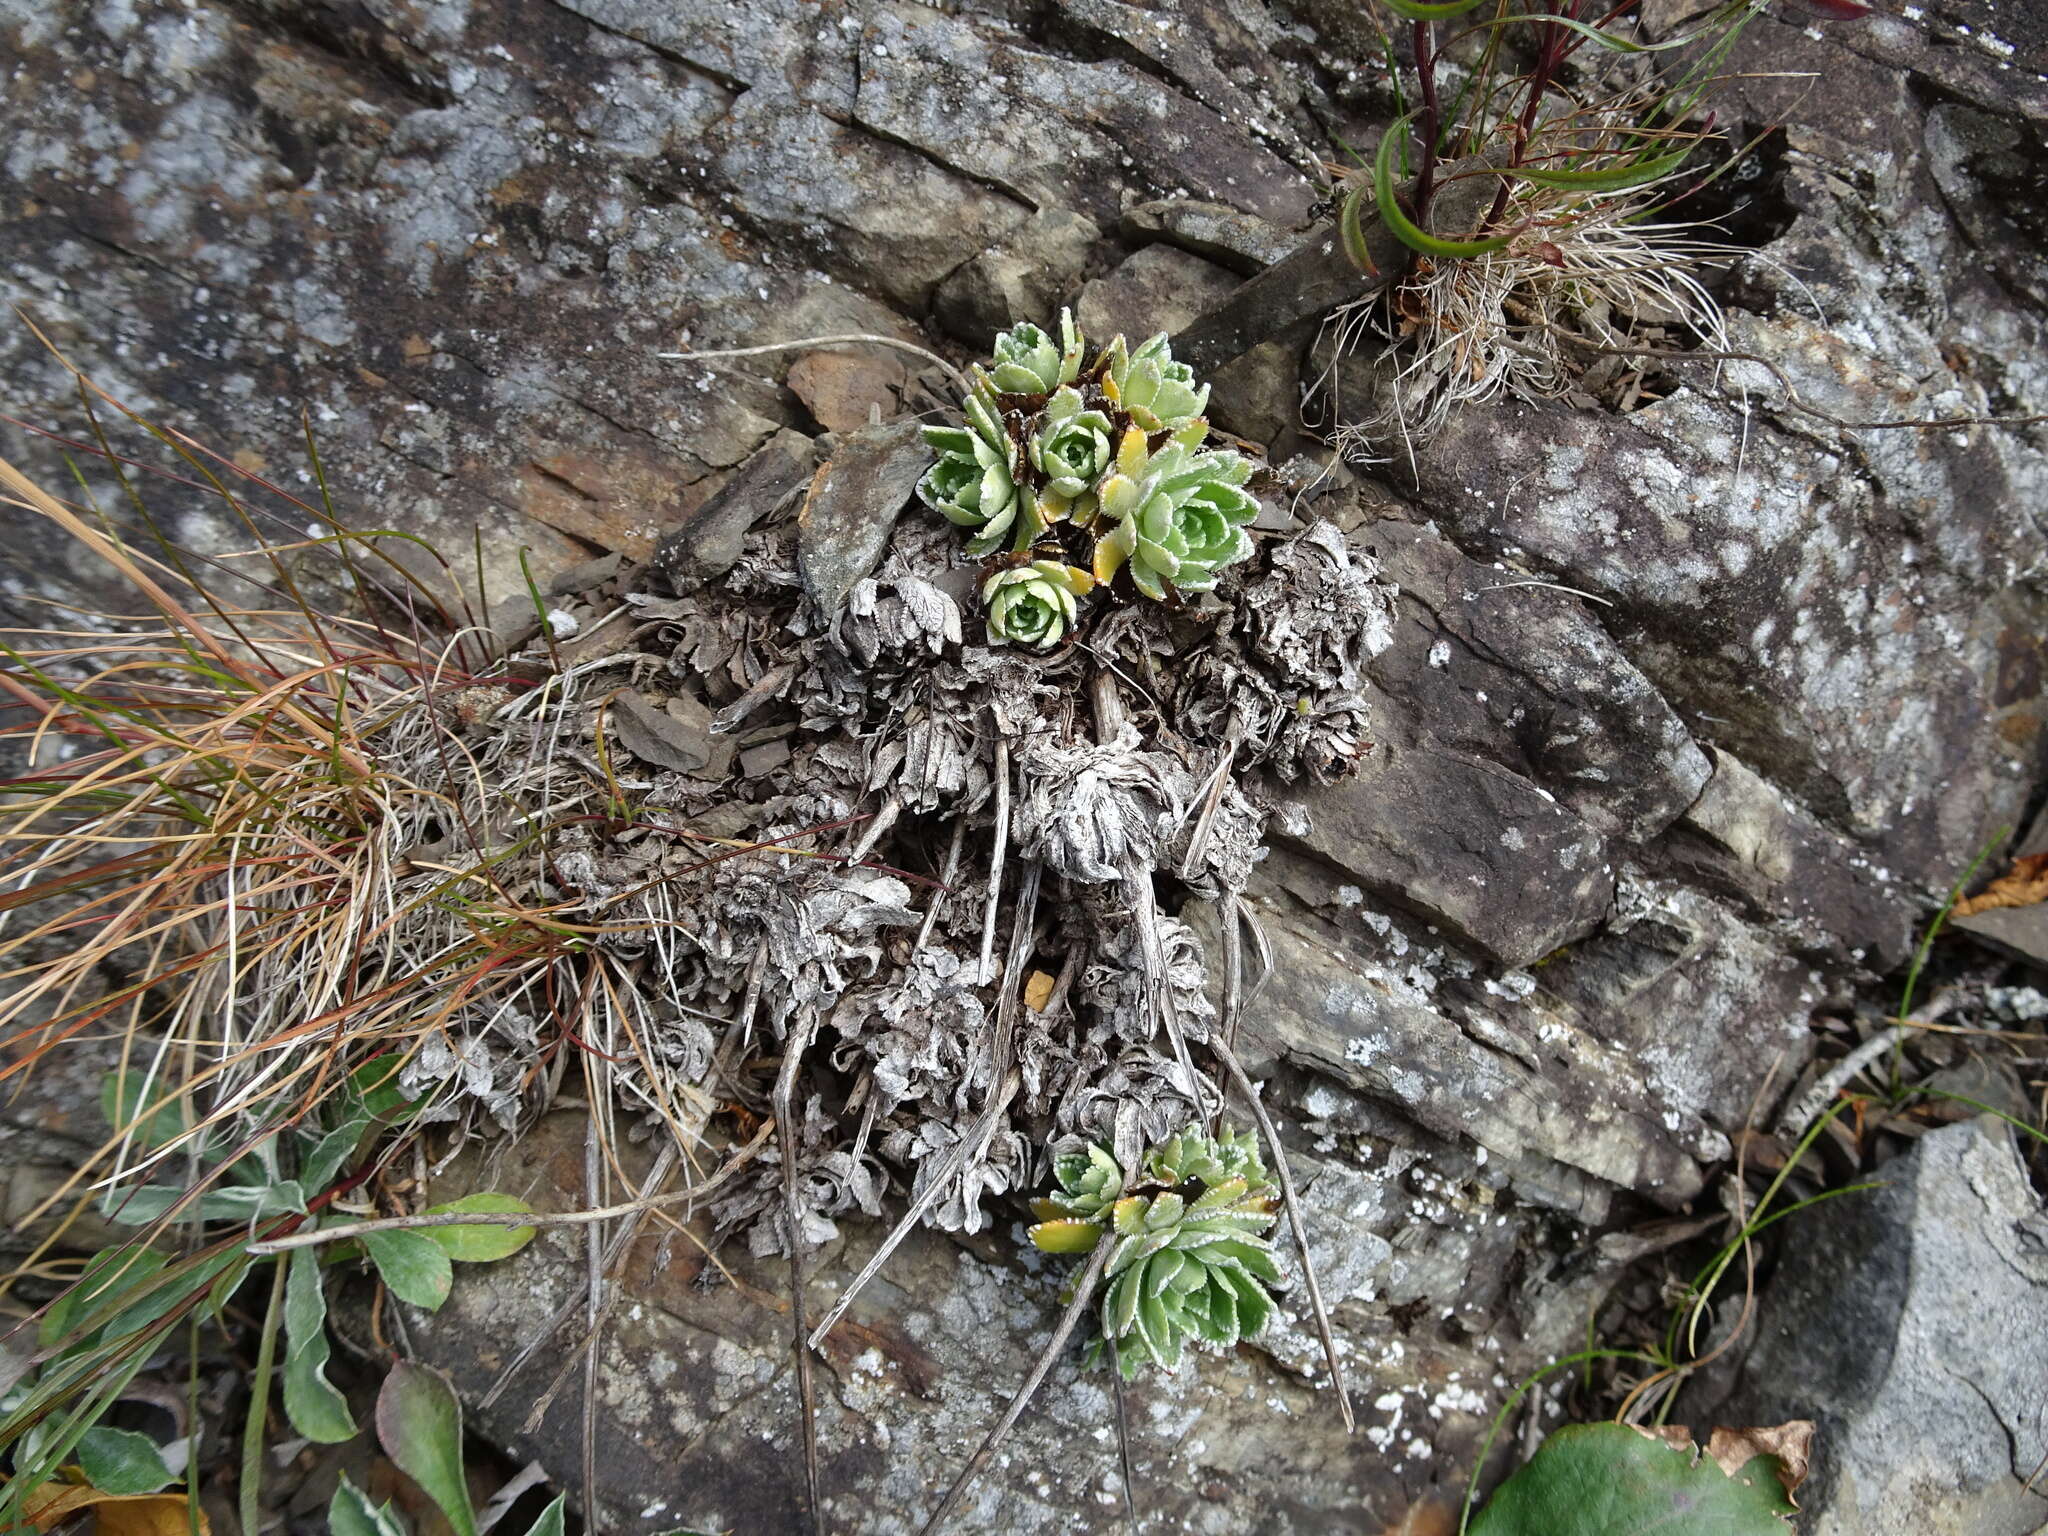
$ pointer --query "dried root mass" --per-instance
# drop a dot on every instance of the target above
(894, 775)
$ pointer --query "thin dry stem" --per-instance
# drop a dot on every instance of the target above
(955, 1159)
(1243, 1084)
(794, 1045)
(857, 338)
(1084, 1292)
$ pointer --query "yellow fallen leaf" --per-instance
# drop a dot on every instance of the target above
(114, 1514)
(1037, 991)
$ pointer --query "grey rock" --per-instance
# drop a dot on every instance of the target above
(1852, 613)
(1974, 158)
(1254, 395)
(1980, 52)
(1055, 129)
(1747, 838)
(2019, 931)
(459, 236)
(1568, 1123)
(1240, 241)
(1305, 286)
(1218, 54)
(1734, 596)
(1904, 1321)
(1158, 289)
(1491, 664)
(851, 508)
(1691, 994)
(1027, 277)
(678, 737)
(900, 219)
(697, 1411)
(1465, 843)
(710, 539)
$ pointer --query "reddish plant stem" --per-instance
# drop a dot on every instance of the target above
(1548, 57)
(1425, 70)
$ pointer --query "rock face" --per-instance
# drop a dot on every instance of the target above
(1895, 1324)
(1689, 712)
(697, 1400)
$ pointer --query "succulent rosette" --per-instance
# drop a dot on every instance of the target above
(973, 483)
(1086, 1185)
(1177, 516)
(1159, 394)
(1035, 604)
(1097, 469)
(1191, 1257)
(1027, 362)
(1071, 449)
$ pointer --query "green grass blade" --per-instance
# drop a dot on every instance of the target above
(1404, 228)
(1613, 179)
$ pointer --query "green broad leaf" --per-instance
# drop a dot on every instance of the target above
(351, 1513)
(158, 1114)
(1153, 1330)
(1405, 229)
(1160, 1273)
(321, 1165)
(315, 1406)
(1614, 179)
(374, 1086)
(122, 1461)
(256, 1162)
(419, 1424)
(415, 1266)
(227, 1281)
(550, 1521)
(167, 1292)
(1166, 1212)
(240, 1202)
(1430, 10)
(1128, 1214)
(481, 1245)
(1254, 1306)
(108, 1275)
(1609, 1480)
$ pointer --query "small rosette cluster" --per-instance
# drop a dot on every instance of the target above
(1100, 471)
(1191, 1258)
(1035, 604)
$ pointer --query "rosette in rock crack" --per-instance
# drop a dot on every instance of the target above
(1102, 467)
(1191, 1259)
(1035, 604)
